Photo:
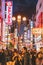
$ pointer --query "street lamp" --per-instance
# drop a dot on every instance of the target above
(13, 18)
(24, 19)
(19, 18)
(19, 22)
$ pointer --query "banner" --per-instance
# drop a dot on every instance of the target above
(0, 28)
(39, 22)
(9, 12)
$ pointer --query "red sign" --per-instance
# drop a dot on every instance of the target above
(9, 3)
(9, 13)
(0, 28)
(40, 21)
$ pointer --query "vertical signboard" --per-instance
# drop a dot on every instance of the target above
(3, 9)
(39, 23)
(42, 19)
(0, 28)
(28, 34)
(9, 12)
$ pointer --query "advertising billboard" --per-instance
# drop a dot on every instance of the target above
(39, 22)
(0, 28)
(9, 12)
(28, 34)
(38, 31)
(3, 9)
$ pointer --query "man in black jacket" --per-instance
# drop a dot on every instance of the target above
(26, 56)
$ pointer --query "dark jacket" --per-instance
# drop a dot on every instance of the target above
(33, 58)
(0, 57)
(27, 59)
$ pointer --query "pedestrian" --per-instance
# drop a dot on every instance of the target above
(26, 56)
(39, 59)
(16, 58)
(33, 58)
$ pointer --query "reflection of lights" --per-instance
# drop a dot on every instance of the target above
(24, 19)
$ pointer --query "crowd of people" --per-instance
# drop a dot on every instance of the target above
(21, 57)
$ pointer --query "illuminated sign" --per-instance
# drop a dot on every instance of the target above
(39, 23)
(31, 24)
(0, 28)
(9, 13)
(37, 30)
(3, 9)
(28, 34)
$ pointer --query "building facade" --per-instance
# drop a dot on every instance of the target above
(3, 17)
(39, 23)
(39, 13)
(1, 22)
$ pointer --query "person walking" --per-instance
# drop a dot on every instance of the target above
(26, 56)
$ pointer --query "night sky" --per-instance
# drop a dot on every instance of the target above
(25, 8)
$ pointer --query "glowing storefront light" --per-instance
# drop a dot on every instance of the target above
(25, 34)
(9, 13)
(37, 30)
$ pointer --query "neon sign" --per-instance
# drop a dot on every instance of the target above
(9, 13)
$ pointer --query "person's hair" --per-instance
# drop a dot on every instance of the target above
(25, 48)
(15, 50)
(41, 47)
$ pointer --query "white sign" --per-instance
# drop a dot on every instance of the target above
(31, 24)
(28, 34)
(9, 12)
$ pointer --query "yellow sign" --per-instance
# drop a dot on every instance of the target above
(37, 30)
